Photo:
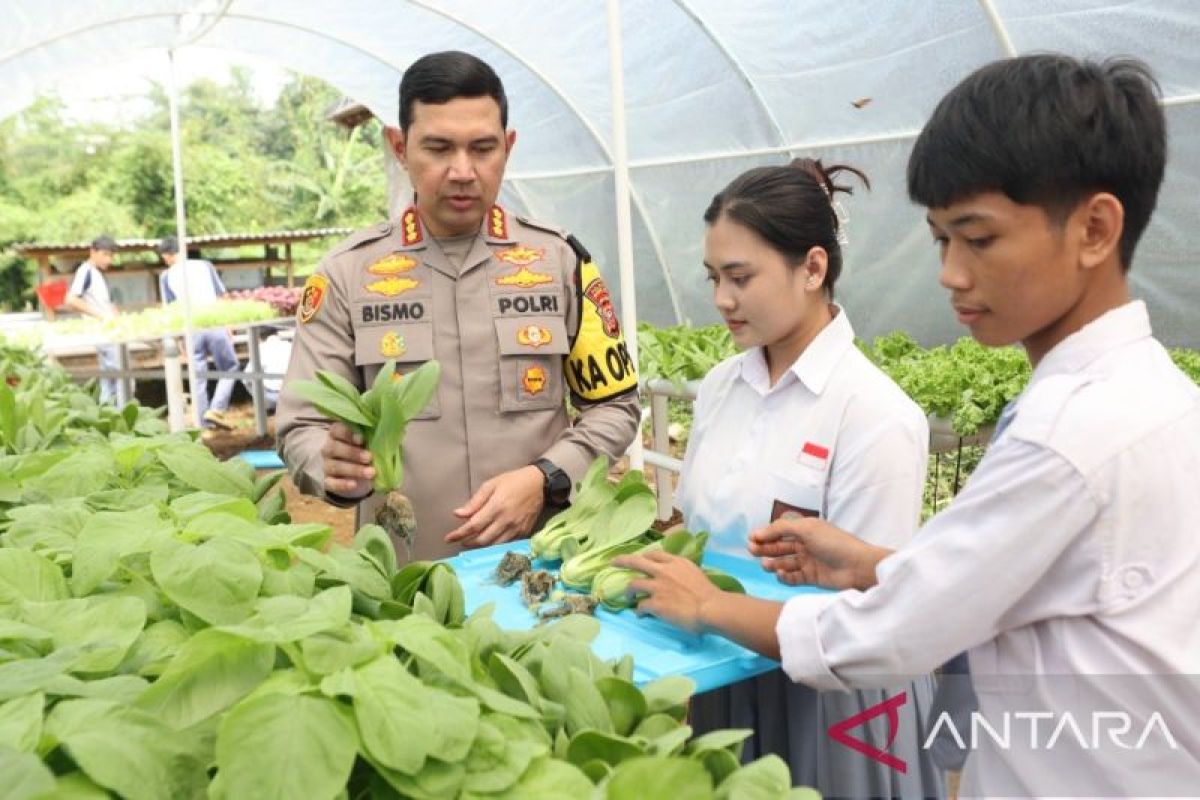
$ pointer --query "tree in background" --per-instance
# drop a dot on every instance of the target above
(246, 168)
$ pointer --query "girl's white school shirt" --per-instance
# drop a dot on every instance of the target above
(834, 437)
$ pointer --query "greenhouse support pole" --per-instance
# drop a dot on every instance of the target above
(616, 71)
(181, 236)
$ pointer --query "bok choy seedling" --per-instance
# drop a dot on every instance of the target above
(381, 414)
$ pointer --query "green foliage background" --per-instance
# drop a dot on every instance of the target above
(246, 168)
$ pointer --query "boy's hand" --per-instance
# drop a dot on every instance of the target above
(812, 551)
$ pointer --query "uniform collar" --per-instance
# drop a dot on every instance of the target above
(494, 229)
(1113, 329)
(815, 364)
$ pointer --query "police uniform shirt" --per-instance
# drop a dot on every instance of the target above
(1072, 550)
(89, 284)
(834, 438)
(523, 321)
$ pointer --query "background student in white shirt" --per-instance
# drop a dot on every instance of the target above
(801, 423)
(88, 295)
(204, 288)
(1073, 550)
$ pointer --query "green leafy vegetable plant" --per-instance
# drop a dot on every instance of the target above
(381, 414)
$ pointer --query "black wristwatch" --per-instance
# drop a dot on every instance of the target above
(556, 484)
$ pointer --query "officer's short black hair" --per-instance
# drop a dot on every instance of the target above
(441, 77)
(167, 246)
(1047, 130)
(104, 242)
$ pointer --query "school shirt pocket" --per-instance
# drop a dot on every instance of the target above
(796, 490)
(531, 362)
(409, 345)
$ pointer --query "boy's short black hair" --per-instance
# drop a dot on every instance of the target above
(1047, 130)
(441, 77)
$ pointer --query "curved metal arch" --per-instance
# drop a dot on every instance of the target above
(999, 28)
(738, 67)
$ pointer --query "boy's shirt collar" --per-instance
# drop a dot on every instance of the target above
(1115, 328)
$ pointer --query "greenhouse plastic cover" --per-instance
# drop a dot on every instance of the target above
(712, 88)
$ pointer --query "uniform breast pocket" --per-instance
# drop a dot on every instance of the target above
(797, 491)
(409, 345)
(531, 363)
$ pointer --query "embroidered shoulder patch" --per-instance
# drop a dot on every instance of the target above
(312, 297)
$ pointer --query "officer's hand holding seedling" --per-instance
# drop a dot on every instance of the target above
(362, 451)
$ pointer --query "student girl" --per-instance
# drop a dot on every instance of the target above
(801, 424)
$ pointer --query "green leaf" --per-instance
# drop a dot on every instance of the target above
(767, 778)
(513, 679)
(155, 648)
(25, 776)
(660, 777)
(626, 705)
(110, 536)
(197, 503)
(105, 627)
(331, 651)
(28, 576)
(416, 388)
(497, 761)
(18, 678)
(280, 746)
(331, 403)
(127, 750)
(47, 529)
(585, 705)
(21, 723)
(669, 695)
(78, 475)
(217, 580)
(390, 704)
(284, 619)
(196, 466)
(211, 672)
(548, 779)
(131, 499)
(730, 740)
(374, 541)
(719, 763)
(120, 689)
(436, 649)
(590, 745)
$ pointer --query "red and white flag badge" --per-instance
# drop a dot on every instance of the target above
(813, 455)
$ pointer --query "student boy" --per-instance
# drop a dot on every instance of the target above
(1074, 549)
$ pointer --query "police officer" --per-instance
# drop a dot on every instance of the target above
(514, 311)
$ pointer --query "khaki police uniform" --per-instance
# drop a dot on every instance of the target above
(525, 319)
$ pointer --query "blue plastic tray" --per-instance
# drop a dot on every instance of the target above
(262, 459)
(657, 648)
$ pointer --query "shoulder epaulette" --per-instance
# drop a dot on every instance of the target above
(361, 237)
(580, 251)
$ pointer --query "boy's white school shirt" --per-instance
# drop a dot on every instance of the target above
(1074, 549)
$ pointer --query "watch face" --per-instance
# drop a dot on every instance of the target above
(558, 487)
